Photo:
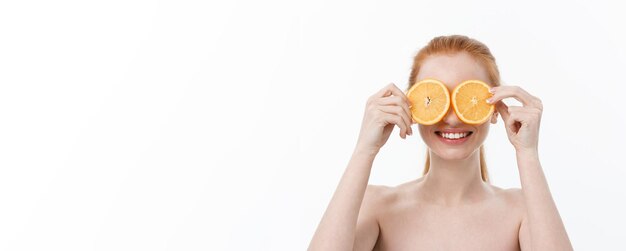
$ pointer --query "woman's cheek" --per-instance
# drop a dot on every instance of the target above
(425, 134)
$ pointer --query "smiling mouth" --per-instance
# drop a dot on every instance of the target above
(453, 135)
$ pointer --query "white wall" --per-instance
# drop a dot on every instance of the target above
(195, 125)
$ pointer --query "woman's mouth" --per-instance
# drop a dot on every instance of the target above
(456, 137)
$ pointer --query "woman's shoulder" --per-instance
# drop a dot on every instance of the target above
(513, 197)
(381, 198)
(380, 194)
(385, 196)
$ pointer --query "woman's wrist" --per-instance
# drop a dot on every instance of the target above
(365, 152)
(527, 153)
(528, 165)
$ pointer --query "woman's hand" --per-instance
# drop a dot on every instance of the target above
(521, 123)
(384, 109)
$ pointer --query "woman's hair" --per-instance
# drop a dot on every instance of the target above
(455, 44)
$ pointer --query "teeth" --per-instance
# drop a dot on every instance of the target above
(454, 135)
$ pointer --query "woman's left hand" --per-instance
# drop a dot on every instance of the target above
(521, 122)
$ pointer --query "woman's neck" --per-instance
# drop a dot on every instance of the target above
(454, 182)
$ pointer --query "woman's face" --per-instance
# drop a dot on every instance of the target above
(452, 69)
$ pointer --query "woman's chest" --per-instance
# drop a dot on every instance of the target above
(484, 227)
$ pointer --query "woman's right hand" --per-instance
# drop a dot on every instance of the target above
(384, 109)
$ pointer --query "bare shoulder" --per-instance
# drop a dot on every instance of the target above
(388, 197)
(513, 197)
(379, 198)
(378, 194)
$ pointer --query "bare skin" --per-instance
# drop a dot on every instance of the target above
(450, 208)
(409, 220)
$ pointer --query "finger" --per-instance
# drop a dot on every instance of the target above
(388, 90)
(503, 109)
(397, 110)
(394, 100)
(396, 120)
(397, 92)
(515, 108)
(502, 92)
(525, 115)
(512, 123)
(529, 114)
(384, 92)
(529, 110)
(518, 121)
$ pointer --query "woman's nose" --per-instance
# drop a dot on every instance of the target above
(451, 118)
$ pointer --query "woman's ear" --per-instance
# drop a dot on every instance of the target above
(494, 117)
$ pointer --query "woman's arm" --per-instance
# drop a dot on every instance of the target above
(338, 227)
(545, 227)
(542, 227)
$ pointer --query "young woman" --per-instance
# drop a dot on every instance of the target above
(452, 207)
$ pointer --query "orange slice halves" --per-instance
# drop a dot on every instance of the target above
(469, 102)
(430, 101)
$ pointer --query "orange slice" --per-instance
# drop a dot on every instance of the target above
(430, 101)
(469, 102)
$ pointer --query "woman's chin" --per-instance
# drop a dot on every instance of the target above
(453, 154)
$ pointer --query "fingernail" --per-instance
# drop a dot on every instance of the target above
(489, 101)
(492, 90)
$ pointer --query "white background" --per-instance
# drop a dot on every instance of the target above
(195, 125)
